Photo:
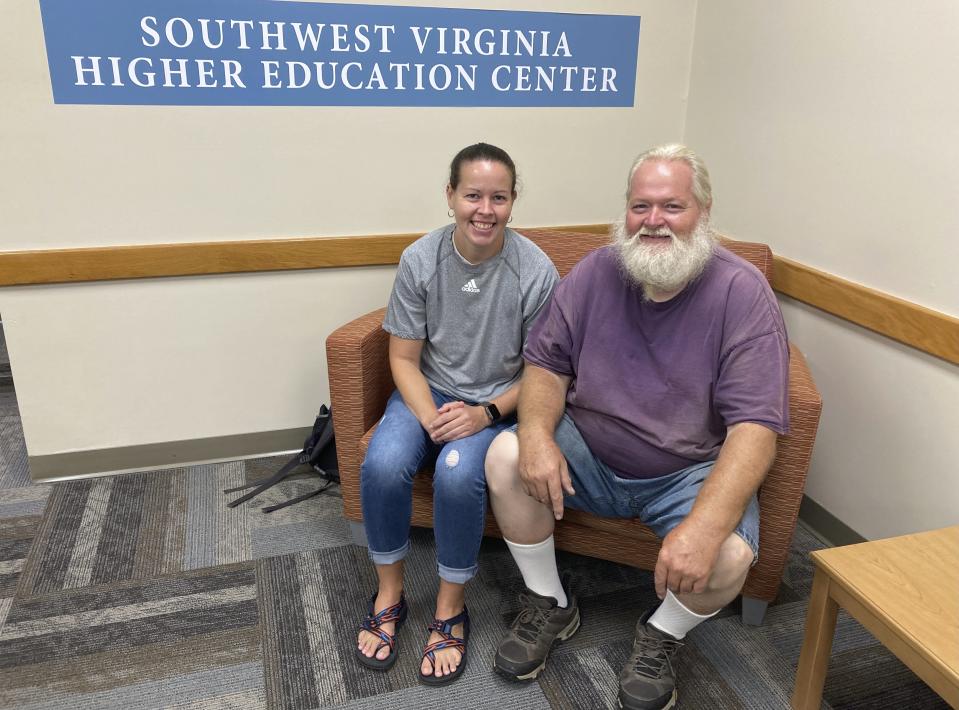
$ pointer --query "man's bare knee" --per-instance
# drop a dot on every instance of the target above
(742, 554)
(735, 559)
(726, 580)
(502, 464)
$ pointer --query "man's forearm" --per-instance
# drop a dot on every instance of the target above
(743, 463)
(542, 401)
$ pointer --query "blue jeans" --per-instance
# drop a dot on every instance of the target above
(661, 503)
(400, 447)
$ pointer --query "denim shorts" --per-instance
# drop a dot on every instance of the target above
(660, 503)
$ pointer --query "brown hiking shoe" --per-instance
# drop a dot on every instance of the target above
(647, 681)
(522, 653)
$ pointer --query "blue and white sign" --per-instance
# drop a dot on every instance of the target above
(269, 53)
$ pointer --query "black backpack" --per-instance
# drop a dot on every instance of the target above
(319, 452)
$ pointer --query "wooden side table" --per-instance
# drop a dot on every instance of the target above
(905, 591)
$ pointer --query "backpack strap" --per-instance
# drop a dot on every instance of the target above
(298, 459)
(297, 499)
(320, 438)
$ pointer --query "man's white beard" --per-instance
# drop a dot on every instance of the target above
(664, 267)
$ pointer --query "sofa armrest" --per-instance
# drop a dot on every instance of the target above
(357, 356)
(782, 491)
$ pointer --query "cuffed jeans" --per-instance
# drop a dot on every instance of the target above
(400, 447)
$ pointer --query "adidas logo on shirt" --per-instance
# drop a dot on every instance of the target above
(470, 287)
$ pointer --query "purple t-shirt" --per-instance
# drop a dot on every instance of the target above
(655, 385)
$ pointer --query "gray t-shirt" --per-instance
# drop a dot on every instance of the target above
(474, 318)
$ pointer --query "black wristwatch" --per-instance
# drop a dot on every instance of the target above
(492, 411)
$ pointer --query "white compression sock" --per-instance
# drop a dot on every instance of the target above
(674, 618)
(537, 564)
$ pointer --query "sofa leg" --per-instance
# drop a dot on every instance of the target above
(754, 610)
(358, 533)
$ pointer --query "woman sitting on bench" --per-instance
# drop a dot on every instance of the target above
(464, 298)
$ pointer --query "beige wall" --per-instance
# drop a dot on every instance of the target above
(107, 365)
(832, 132)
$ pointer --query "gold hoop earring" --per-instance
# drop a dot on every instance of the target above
(449, 212)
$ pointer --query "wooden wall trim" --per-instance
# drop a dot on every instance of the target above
(927, 330)
(922, 328)
(51, 266)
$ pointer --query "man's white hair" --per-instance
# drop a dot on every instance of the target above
(702, 189)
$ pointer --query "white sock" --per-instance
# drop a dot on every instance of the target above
(537, 564)
(675, 619)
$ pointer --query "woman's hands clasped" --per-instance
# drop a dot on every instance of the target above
(456, 420)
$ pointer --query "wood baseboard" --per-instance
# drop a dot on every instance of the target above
(826, 526)
(75, 465)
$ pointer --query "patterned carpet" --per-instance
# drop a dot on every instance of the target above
(146, 591)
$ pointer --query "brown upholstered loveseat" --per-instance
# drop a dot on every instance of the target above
(360, 383)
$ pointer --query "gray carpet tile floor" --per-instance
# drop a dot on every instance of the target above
(146, 591)
(6, 377)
